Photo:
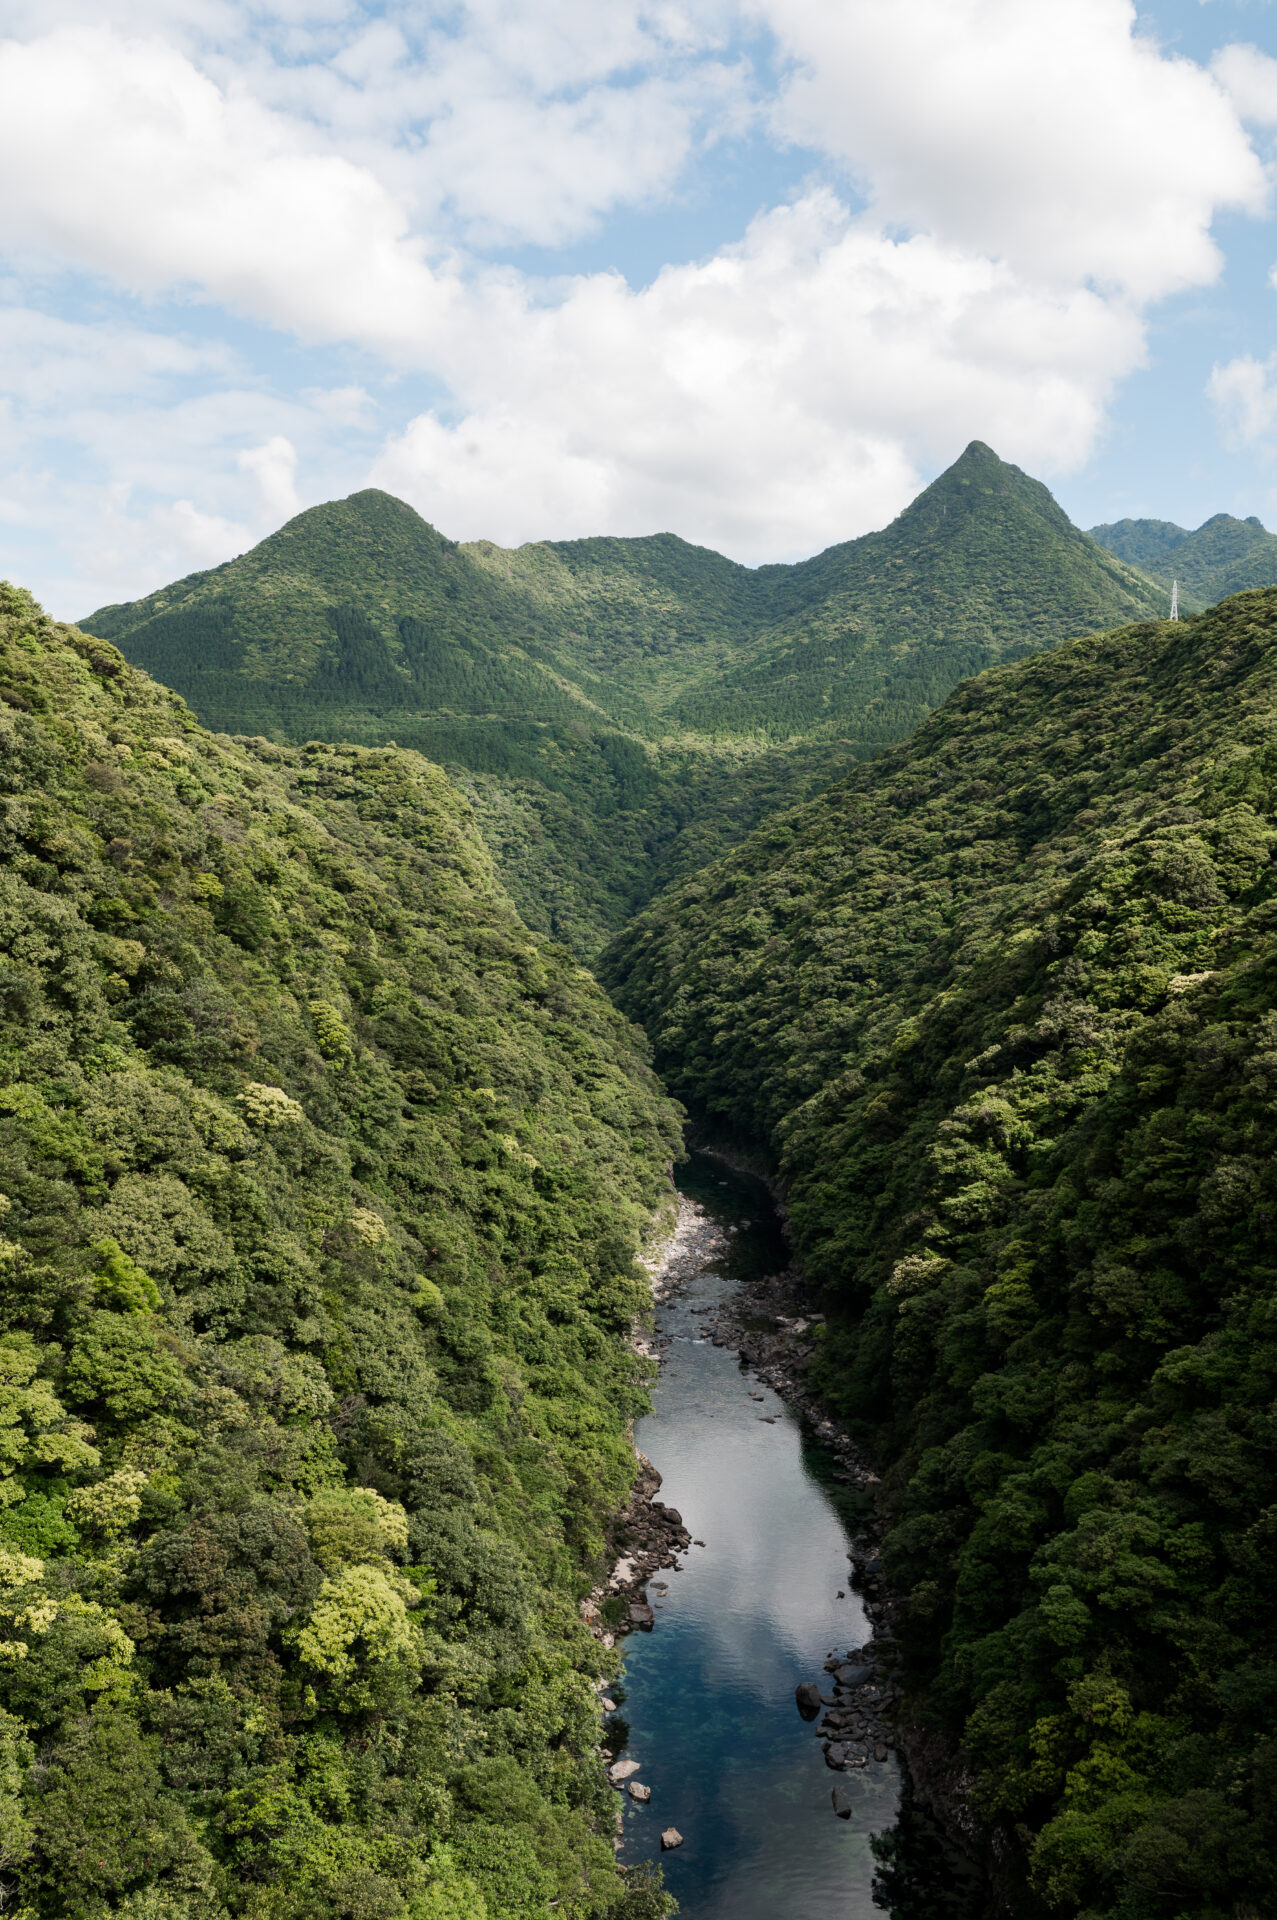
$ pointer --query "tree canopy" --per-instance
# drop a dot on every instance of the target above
(1003, 1008)
(321, 1182)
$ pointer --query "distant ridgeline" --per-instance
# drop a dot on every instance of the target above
(1224, 556)
(620, 711)
(1003, 1006)
(321, 1180)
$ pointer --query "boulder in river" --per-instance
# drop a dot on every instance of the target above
(842, 1806)
(641, 1616)
(670, 1839)
(849, 1676)
(807, 1694)
(637, 1791)
(622, 1770)
(836, 1756)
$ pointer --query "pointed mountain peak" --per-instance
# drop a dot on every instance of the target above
(981, 487)
(977, 455)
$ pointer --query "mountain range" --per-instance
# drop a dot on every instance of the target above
(620, 711)
(1224, 556)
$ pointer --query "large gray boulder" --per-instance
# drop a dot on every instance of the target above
(807, 1694)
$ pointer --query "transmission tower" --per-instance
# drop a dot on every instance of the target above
(1174, 599)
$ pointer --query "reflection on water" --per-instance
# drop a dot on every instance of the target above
(710, 1694)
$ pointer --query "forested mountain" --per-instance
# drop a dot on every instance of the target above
(1224, 556)
(620, 711)
(1003, 1007)
(322, 1184)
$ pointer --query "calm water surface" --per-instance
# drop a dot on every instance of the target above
(710, 1694)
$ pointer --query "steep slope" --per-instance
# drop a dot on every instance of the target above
(982, 567)
(1004, 1007)
(1224, 556)
(322, 1183)
(620, 711)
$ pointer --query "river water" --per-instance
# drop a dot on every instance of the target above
(761, 1606)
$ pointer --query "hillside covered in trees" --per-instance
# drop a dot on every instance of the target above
(1224, 556)
(322, 1182)
(621, 711)
(1002, 1007)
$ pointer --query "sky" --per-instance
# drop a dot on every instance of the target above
(750, 271)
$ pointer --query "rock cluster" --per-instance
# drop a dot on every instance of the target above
(644, 1537)
(647, 1535)
(857, 1725)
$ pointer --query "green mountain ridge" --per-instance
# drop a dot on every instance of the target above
(1003, 1008)
(321, 1181)
(620, 711)
(1224, 556)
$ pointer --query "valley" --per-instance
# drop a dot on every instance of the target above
(1000, 1006)
(354, 896)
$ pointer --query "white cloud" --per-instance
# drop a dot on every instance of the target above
(491, 120)
(1249, 78)
(1244, 394)
(1045, 132)
(193, 538)
(273, 466)
(51, 363)
(773, 399)
(120, 157)
(133, 456)
(1037, 175)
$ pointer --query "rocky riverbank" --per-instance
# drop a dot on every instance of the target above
(768, 1323)
(771, 1325)
(647, 1536)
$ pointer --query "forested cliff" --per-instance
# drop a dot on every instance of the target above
(322, 1178)
(322, 1183)
(1003, 1008)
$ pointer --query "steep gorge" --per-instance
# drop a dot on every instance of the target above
(322, 1184)
(325, 1178)
(1002, 1007)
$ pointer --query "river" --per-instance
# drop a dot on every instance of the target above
(709, 1695)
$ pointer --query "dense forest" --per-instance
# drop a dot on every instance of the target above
(1224, 556)
(323, 1180)
(1003, 1009)
(619, 712)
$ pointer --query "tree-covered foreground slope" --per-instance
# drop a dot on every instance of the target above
(322, 1179)
(621, 711)
(1224, 556)
(1004, 1007)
